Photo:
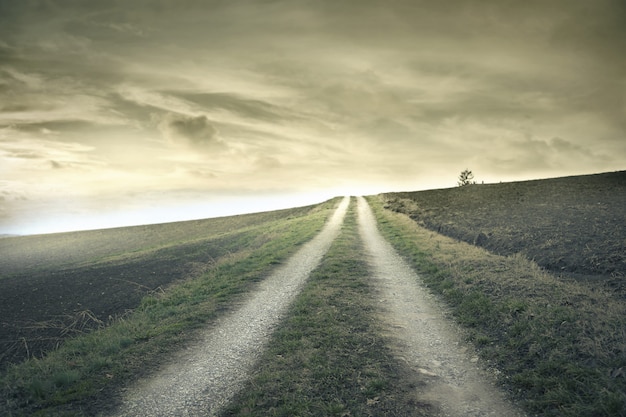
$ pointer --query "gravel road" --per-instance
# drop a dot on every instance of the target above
(204, 377)
(424, 338)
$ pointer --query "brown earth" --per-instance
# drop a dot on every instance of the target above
(58, 285)
(572, 226)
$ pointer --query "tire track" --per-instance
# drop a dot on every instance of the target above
(205, 377)
(428, 342)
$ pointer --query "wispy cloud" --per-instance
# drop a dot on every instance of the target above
(114, 100)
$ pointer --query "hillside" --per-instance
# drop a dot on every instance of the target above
(55, 286)
(21, 254)
(133, 297)
(572, 226)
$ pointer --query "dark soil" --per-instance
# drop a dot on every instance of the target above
(572, 226)
(56, 286)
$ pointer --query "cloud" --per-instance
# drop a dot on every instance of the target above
(56, 165)
(535, 155)
(27, 157)
(236, 104)
(402, 93)
(33, 97)
(267, 163)
(195, 131)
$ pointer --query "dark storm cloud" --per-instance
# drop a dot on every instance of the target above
(197, 131)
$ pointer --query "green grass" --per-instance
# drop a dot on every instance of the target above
(560, 347)
(27, 254)
(87, 369)
(328, 358)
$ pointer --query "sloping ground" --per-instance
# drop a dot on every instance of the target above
(328, 357)
(82, 376)
(205, 376)
(425, 338)
(557, 344)
(59, 285)
(26, 254)
(570, 225)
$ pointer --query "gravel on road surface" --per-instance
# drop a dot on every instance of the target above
(424, 338)
(203, 378)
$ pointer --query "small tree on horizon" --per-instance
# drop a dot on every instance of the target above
(466, 178)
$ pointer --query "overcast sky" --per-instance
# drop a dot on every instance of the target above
(120, 112)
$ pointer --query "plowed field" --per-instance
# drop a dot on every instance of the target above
(572, 226)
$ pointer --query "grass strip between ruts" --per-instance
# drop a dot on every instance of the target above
(84, 374)
(559, 347)
(328, 357)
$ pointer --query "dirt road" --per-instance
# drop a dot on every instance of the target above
(204, 377)
(424, 339)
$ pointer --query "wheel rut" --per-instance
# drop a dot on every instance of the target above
(424, 338)
(205, 376)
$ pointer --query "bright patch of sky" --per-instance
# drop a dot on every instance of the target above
(115, 112)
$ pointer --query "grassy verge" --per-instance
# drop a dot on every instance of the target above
(81, 376)
(559, 346)
(328, 358)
